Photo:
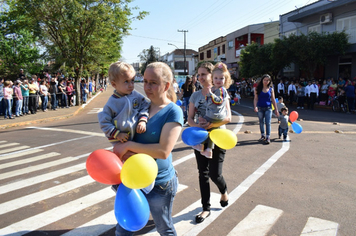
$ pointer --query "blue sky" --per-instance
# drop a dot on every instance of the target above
(205, 20)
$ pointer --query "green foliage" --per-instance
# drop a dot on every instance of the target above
(18, 49)
(82, 37)
(307, 51)
(148, 56)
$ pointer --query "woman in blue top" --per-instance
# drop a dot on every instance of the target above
(264, 98)
(162, 132)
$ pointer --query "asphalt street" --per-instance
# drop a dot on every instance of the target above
(305, 186)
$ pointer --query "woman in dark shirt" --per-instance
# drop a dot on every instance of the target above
(187, 89)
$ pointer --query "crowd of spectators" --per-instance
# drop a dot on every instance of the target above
(25, 96)
(304, 94)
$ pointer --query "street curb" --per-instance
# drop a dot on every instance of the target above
(44, 120)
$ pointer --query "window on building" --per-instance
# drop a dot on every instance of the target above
(349, 25)
(223, 49)
(208, 54)
(230, 44)
(258, 40)
(201, 56)
(289, 33)
(219, 51)
(315, 28)
(179, 65)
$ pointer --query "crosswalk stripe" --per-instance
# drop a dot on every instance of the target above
(21, 154)
(40, 178)
(57, 213)
(8, 145)
(13, 149)
(3, 141)
(28, 160)
(31, 169)
(44, 194)
(320, 227)
(95, 227)
(71, 131)
(258, 222)
(102, 224)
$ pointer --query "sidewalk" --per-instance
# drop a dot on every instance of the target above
(42, 117)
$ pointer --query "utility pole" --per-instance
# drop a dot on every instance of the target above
(184, 31)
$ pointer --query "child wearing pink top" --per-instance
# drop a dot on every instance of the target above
(8, 91)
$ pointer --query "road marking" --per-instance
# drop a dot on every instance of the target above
(95, 110)
(247, 183)
(27, 170)
(48, 145)
(40, 178)
(258, 222)
(12, 149)
(102, 223)
(70, 131)
(28, 160)
(16, 155)
(40, 220)
(320, 227)
(8, 145)
(44, 194)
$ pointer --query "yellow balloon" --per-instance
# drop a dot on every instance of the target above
(139, 171)
(289, 124)
(224, 138)
(272, 107)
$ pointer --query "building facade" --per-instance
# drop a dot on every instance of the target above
(325, 16)
(214, 50)
(175, 60)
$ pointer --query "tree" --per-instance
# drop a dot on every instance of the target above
(148, 56)
(79, 33)
(309, 51)
(18, 49)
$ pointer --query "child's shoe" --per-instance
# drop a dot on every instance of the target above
(198, 147)
(207, 153)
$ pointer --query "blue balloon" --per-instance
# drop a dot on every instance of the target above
(131, 208)
(194, 135)
(297, 128)
(180, 84)
(276, 100)
(179, 103)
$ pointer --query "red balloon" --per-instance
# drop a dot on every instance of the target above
(293, 116)
(236, 99)
(104, 166)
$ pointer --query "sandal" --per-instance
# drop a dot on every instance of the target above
(199, 218)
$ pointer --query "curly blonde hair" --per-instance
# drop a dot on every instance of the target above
(223, 69)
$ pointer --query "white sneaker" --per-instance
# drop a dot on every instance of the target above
(298, 107)
(302, 108)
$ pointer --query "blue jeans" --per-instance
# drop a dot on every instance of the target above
(160, 200)
(2, 106)
(44, 102)
(64, 101)
(25, 104)
(53, 101)
(282, 131)
(84, 95)
(18, 107)
(8, 107)
(265, 116)
(186, 107)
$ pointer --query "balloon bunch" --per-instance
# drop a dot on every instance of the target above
(139, 171)
(224, 138)
(179, 103)
(297, 128)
